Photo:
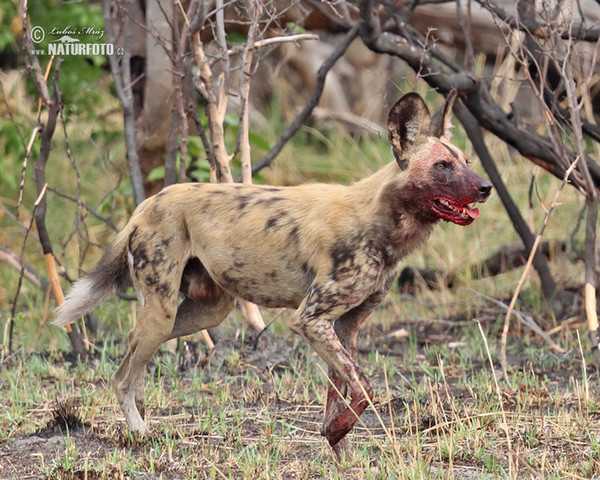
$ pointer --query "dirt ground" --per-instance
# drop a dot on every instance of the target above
(41, 454)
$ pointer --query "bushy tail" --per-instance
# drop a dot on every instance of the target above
(108, 276)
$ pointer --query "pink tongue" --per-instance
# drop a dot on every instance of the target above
(472, 212)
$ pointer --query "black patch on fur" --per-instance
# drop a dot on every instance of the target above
(268, 201)
(164, 289)
(160, 251)
(309, 276)
(342, 256)
(294, 234)
(402, 162)
(139, 252)
(131, 237)
(243, 201)
(271, 222)
(171, 266)
(229, 280)
(274, 220)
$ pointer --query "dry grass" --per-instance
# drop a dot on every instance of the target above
(437, 413)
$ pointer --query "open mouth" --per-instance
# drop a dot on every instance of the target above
(461, 214)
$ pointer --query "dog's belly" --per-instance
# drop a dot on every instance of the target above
(275, 288)
(271, 279)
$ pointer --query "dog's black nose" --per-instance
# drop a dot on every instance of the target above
(484, 188)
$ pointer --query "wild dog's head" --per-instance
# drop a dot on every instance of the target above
(438, 183)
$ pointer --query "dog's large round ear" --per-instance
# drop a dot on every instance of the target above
(408, 125)
(441, 122)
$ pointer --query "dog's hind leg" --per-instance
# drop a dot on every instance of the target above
(195, 315)
(155, 321)
(206, 304)
(156, 278)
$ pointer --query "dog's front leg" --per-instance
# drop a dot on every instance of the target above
(314, 320)
(346, 329)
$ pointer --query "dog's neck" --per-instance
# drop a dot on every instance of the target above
(398, 228)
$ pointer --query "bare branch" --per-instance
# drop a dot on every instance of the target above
(475, 135)
(122, 77)
(574, 31)
(36, 204)
(476, 95)
(31, 60)
(272, 41)
(466, 30)
(27, 271)
(312, 102)
(243, 137)
(517, 291)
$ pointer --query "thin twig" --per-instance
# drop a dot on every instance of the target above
(32, 138)
(592, 215)
(109, 223)
(215, 96)
(526, 320)
(273, 41)
(78, 213)
(22, 272)
(17, 263)
(465, 26)
(243, 137)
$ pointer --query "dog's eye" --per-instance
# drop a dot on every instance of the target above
(441, 164)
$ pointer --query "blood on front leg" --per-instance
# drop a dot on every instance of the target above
(336, 395)
(336, 427)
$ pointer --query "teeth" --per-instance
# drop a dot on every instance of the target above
(462, 210)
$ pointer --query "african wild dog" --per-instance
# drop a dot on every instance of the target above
(328, 251)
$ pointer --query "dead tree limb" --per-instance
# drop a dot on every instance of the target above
(53, 105)
(121, 71)
(15, 261)
(474, 133)
(575, 31)
(312, 102)
(47, 131)
(397, 38)
(591, 276)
